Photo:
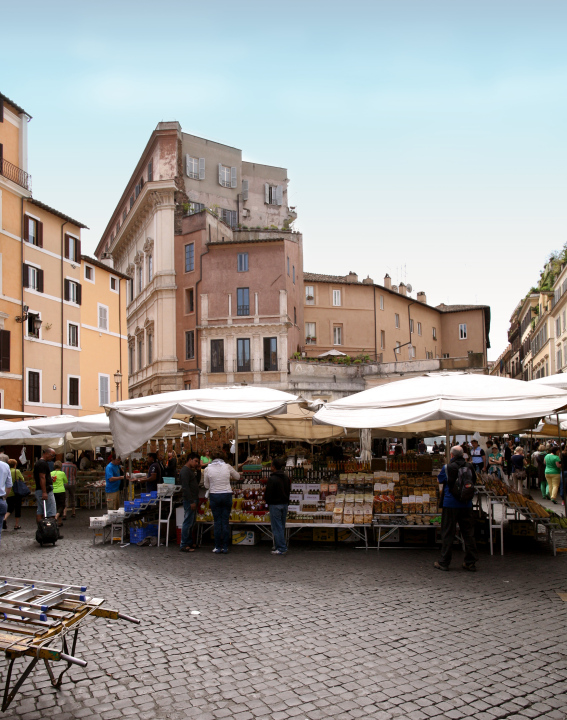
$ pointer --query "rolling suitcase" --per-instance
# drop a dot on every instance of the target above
(47, 530)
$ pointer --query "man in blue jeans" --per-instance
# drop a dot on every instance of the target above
(5, 484)
(277, 498)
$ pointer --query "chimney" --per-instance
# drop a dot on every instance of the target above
(352, 277)
(368, 281)
(387, 282)
(402, 289)
(421, 297)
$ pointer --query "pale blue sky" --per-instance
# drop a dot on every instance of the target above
(424, 139)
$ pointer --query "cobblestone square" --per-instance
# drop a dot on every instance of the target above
(326, 632)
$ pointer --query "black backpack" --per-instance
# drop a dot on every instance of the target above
(463, 487)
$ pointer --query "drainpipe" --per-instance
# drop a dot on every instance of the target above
(197, 343)
(120, 330)
(62, 300)
(22, 309)
(375, 330)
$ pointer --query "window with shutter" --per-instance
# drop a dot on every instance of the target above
(26, 275)
(382, 339)
(419, 328)
(192, 167)
(266, 193)
(34, 390)
(150, 171)
(73, 391)
(73, 339)
(293, 274)
(337, 335)
(310, 333)
(232, 177)
(411, 326)
(242, 265)
(103, 389)
(463, 331)
(66, 291)
(381, 302)
(4, 351)
(150, 348)
(225, 175)
(189, 345)
(131, 201)
(67, 246)
(309, 295)
(270, 354)
(39, 287)
(245, 185)
(397, 320)
(336, 298)
(201, 168)
(103, 317)
(40, 234)
(33, 277)
(140, 352)
(279, 195)
(32, 330)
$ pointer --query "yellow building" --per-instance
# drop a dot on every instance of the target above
(56, 355)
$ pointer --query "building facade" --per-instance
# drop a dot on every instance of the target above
(542, 341)
(49, 365)
(559, 314)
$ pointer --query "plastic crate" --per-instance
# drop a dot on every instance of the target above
(137, 535)
(151, 530)
(169, 480)
(128, 506)
(99, 522)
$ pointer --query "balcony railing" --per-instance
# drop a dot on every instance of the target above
(15, 174)
(243, 310)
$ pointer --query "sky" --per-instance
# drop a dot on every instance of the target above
(424, 139)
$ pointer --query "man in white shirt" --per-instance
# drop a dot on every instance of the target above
(5, 484)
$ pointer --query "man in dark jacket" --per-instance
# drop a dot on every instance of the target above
(189, 479)
(454, 512)
(277, 497)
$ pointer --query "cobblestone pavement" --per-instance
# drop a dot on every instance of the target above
(322, 633)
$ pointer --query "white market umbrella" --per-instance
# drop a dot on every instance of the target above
(332, 353)
(435, 403)
(135, 421)
(6, 414)
(97, 425)
(558, 381)
(18, 433)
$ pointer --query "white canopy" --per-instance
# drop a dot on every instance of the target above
(332, 353)
(135, 421)
(6, 414)
(18, 433)
(422, 405)
(558, 381)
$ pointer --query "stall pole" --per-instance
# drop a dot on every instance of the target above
(269, 448)
(559, 438)
(447, 441)
(130, 485)
(236, 445)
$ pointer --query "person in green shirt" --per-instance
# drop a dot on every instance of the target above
(552, 473)
(59, 482)
(205, 460)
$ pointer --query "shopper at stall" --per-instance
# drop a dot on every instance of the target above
(217, 481)
(553, 473)
(5, 485)
(205, 459)
(44, 486)
(113, 475)
(70, 470)
(59, 481)
(84, 461)
(276, 496)
(422, 447)
(508, 452)
(478, 457)
(14, 499)
(518, 463)
(171, 469)
(189, 478)
(540, 462)
(155, 473)
(495, 461)
(455, 512)
(435, 450)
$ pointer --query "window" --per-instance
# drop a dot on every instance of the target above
(434, 333)
(74, 292)
(242, 301)
(273, 194)
(195, 207)
(189, 345)
(295, 316)
(559, 359)
(89, 273)
(228, 216)
(189, 257)
(150, 268)
(34, 389)
(558, 327)
(33, 231)
(428, 355)
(124, 213)
(131, 201)
(32, 331)
(131, 351)
(189, 300)
(131, 289)
(411, 325)
(187, 386)
(32, 277)
(140, 352)
(192, 167)
(150, 348)
(337, 335)
(336, 298)
(73, 332)
(419, 328)
(243, 355)
(150, 171)
(140, 279)
(310, 333)
(103, 389)
(73, 392)
(288, 265)
(411, 352)
(445, 356)
(242, 263)
(114, 283)
(382, 339)
(4, 351)
(102, 317)
(397, 320)
(227, 176)
(309, 295)
(293, 275)
(381, 302)
(217, 356)
(463, 331)
(270, 354)
(564, 320)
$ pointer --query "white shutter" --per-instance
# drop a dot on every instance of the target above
(245, 190)
(220, 173)
(266, 193)
(279, 195)
(188, 165)
(201, 168)
(232, 177)
(103, 390)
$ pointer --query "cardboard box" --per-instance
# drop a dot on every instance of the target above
(245, 537)
(324, 534)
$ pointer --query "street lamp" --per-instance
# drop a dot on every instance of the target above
(118, 381)
(25, 315)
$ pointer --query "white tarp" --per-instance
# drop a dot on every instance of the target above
(422, 405)
(135, 421)
(558, 381)
(6, 414)
(18, 433)
(98, 424)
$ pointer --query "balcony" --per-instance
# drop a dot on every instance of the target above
(243, 310)
(15, 174)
